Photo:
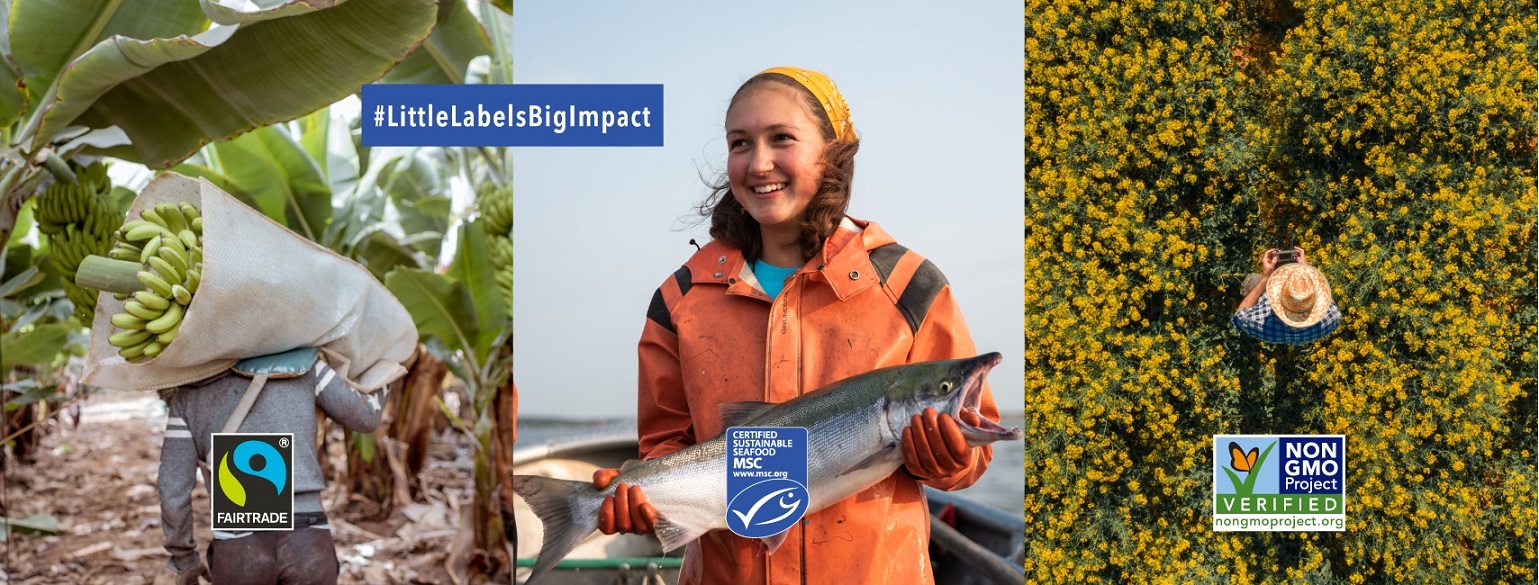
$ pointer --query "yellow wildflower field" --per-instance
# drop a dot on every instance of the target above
(1166, 145)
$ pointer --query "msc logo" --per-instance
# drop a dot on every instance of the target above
(767, 508)
(766, 480)
(254, 476)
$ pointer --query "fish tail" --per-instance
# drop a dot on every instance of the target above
(553, 501)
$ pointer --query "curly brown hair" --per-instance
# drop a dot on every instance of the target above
(731, 224)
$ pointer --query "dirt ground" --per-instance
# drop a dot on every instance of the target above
(98, 482)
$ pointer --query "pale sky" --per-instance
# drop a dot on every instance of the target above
(934, 90)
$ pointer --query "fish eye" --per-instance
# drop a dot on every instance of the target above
(946, 386)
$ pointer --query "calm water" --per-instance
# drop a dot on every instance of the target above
(1002, 486)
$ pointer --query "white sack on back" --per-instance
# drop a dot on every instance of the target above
(264, 290)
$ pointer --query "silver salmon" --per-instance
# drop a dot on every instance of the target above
(853, 430)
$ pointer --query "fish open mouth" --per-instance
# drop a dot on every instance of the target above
(986, 431)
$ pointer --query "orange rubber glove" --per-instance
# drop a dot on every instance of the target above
(625, 511)
(933, 445)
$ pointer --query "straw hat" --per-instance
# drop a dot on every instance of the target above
(1299, 294)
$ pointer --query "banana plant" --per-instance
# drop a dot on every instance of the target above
(168, 76)
(149, 81)
(476, 344)
(464, 314)
(152, 80)
(464, 317)
(150, 85)
(85, 96)
(386, 208)
(390, 209)
(496, 402)
(36, 338)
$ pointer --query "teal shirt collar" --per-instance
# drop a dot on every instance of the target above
(772, 278)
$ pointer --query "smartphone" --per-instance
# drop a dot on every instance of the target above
(1287, 257)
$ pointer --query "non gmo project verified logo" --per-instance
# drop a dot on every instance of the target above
(1279, 483)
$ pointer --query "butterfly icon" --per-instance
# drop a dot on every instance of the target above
(1240, 460)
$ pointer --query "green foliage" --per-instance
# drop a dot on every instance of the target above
(476, 267)
(32, 345)
(1167, 145)
(418, 186)
(284, 181)
(446, 54)
(440, 306)
(170, 88)
(34, 324)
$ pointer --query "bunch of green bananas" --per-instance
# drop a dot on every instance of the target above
(501, 252)
(496, 205)
(168, 241)
(65, 204)
(79, 220)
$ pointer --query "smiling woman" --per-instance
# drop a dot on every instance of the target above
(843, 284)
(788, 168)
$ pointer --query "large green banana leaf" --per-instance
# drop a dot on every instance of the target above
(381, 254)
(440, 307)
(473, 268)
(362, 213)
(171, 95)
(11, 96)
(23, 225)
(38, 346)
(456, 39)
(237, 11)
(330, 145)
(283, 180)
(45, 35)
(420, 194)
(499, 27)
(358, 228)
(26, 279)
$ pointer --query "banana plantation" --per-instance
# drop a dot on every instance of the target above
(169, 171)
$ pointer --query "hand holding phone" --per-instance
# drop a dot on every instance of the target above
(1287, 256)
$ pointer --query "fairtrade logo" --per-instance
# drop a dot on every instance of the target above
(768, 507)
(253, 481)
(273, 469)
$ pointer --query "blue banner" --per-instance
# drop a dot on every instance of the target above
(512, 115)
(766, 479)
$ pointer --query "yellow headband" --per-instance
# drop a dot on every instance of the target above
(827, 95)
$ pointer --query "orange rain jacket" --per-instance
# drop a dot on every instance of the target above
(712, 336)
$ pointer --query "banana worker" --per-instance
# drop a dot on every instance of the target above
(789, 296)
(1289, 304)
(298, 382)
